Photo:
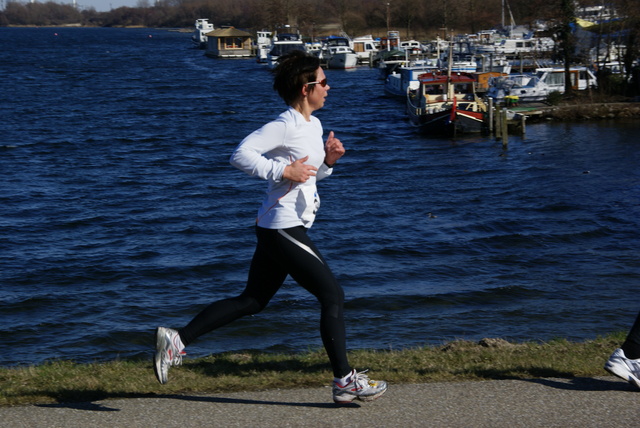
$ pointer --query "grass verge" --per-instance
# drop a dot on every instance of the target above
(66, 381)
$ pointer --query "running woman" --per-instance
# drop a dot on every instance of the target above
(289, 153)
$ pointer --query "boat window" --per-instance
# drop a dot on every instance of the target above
(555, 79)
(288, 37)
(232, 42)
(434, 89)
(462, 88)
(279, 50)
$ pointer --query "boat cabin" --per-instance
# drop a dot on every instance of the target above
(229, 43)
(365, 47)
(439, 87)
(581, 78)
(199, 38)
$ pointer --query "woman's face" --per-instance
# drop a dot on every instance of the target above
(316, 93)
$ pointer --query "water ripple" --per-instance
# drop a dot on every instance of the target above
(119, 210)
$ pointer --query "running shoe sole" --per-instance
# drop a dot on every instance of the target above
(350, 398)
(622, 371)
(372, 397)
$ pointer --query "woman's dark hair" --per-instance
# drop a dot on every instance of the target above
(293, 71)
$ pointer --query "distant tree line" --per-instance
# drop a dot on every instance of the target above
(415, 19)
(419, 19)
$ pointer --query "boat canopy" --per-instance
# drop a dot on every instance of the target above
(439, 78)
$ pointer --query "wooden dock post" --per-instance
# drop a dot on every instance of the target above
(504, 126)
(497, 127)
(490, 115)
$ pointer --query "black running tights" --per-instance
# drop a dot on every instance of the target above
(631, 346)
(282, 252)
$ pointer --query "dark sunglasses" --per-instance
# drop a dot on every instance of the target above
(322, 82)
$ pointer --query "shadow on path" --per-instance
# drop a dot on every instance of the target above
(584, 384)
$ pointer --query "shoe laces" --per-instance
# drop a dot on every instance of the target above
(177, 358)
(176, 352)
(361, 380)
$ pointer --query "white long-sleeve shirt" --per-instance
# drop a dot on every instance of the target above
(267, 151)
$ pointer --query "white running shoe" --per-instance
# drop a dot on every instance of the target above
(623, 367)
(360, 387)
(168, 352)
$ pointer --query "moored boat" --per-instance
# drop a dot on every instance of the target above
(412, 47)
(285, 40)
(512, 47)
(365, 47)
(445, 103)
(526, 87)
(263, 45)
(538, 86)
(462, 66)
(199, 37)
(405, 77)
(342, 57)
(337, 52)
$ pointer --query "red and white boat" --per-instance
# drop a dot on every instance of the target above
(446, 103)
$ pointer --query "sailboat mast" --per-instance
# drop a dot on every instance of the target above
(449, 67)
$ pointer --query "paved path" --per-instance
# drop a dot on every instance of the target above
(579, 402)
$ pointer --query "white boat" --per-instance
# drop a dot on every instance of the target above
(517, 46)
(337, 52)
(405, 77)
(285, 40)
(526, 87)
(597, 14)
(464, 66)
(365, 47)
(263, 45)
(496, 63)
(538, 86)
(314, 48)
(413, 47)
(199, 38)
(342, 57)
(459, 64)
(581, 78)
(436, 46)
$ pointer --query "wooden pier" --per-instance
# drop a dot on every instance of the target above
(505, 120)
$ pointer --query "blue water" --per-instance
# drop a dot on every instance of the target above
(119, 210)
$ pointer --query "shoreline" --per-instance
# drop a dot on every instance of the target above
(580, 112)
(489, 359)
